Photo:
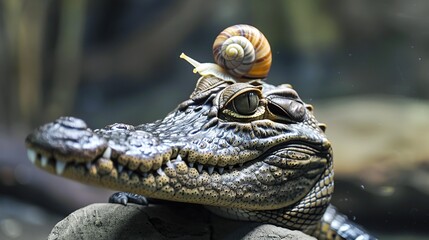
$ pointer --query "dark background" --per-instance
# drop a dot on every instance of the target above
(363, 64)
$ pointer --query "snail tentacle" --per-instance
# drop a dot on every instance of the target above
(206, 69)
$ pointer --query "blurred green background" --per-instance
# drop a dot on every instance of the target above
(364, 65)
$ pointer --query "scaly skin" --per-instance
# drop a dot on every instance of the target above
(268, 163)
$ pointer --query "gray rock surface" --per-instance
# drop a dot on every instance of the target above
(175, 221)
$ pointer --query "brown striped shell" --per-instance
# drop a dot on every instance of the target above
(243, 51)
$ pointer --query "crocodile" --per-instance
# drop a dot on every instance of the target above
(248, 151)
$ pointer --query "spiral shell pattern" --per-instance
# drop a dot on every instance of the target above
(243, 51)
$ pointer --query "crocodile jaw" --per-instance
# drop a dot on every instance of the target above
(271, 178)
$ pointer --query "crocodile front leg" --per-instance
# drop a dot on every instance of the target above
(125, 197)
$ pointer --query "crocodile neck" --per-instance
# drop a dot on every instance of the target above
(305, 215)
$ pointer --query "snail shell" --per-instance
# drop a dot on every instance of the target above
(243, 51)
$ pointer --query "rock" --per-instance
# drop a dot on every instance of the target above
(268, 231)
(168, 221)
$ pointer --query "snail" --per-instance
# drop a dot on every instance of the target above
(241, 52)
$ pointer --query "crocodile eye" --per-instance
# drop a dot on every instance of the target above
(246, 103)
(241, 102)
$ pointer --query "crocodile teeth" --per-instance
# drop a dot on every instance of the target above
(169, 164)
(179, 158)
(191, 164)
(59, 167)
(44, 161)
(107, 153)
(200, 168)
(31, 155)
(220, 170)
(240, 164)
(160, 172)
(210, 169)
(230, 167)
(120, 168)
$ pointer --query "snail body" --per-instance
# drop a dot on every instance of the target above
(241, 52)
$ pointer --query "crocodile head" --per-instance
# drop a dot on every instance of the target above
(250, 146)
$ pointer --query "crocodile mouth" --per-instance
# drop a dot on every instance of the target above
(176, 163)
(105, 164)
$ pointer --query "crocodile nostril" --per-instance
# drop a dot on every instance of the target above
(71, 122)
(120, 126)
